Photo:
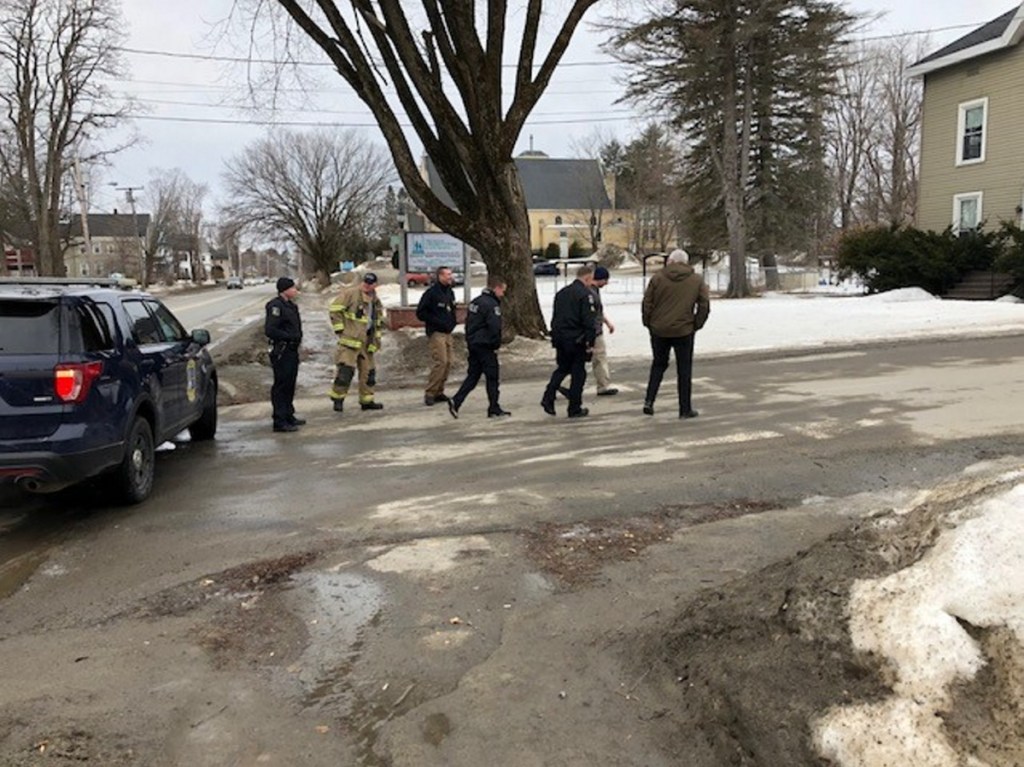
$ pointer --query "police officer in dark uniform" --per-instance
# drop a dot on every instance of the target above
(283, 328)
(573, 330)
(483, 337)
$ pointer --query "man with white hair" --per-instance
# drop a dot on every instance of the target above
(676, 305)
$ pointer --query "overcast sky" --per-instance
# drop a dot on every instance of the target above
(191, 120)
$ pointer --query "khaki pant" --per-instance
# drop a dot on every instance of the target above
(440, 345)
(348, 361)
(599, 362)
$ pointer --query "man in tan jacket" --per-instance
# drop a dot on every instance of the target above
(676, 305)
(357, 318)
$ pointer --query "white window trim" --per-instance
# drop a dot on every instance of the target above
(961, 121)
(958, 198)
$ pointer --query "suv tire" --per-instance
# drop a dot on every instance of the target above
(134, 476)
(206, 427)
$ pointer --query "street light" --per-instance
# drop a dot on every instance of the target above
(129, 196)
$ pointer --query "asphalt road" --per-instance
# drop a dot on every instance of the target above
(781, 429)
(865, 426)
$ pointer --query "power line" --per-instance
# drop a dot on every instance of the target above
(243, 108)
(316, 124)
(281, 62)
(563, 64)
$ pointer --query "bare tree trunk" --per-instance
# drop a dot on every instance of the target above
(730, 166)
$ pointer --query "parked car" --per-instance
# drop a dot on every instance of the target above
(235, 283)
(92, 379)
(417, 278)
(546, 268)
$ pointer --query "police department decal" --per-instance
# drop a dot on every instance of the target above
(190, 380)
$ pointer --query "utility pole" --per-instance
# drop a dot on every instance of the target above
(83, 204)
(129, 196)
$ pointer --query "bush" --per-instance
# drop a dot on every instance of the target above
(1011, 255)
(553, 251)
(578, 250)
(887, 258)
(610, 256)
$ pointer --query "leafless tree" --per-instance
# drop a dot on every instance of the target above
(176, 214)
(320, 190)
(873, 135)
(56, 57)
(443, 64)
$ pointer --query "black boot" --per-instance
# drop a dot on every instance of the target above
(371, 406)
(339, 406)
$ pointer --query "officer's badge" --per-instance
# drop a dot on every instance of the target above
(275, 311)
(497, 311)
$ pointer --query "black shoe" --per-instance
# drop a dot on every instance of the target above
(339, 406)
(563, 391)
(497, 413)
(453, 409)
(297, 421)
(610, 391)
(648, 408)
(549, 407)
(285, 427)
(581, 413)
(441, 398)
(371, 406)
(428, 400)
(689, 414)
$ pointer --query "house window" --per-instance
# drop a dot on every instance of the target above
(970, 132)
(967, 211)
(558, 220)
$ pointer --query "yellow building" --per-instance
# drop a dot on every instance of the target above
(567, 199)
(972, 168)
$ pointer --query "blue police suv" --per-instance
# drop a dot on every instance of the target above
(92, 379)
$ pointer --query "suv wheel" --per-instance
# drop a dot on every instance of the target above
(206, 427)
(136, 472)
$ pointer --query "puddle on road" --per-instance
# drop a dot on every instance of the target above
(336, 608)
(15, 572)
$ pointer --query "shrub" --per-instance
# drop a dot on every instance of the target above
(553, 251)
(578, 250)
(1011, 255)
(887, 258)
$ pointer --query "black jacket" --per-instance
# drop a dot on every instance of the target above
(483, 321)
(283, 323)
(575, 315)
(436, 309)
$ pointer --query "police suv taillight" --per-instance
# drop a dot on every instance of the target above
(71, 382)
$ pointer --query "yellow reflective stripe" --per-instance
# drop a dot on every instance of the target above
(337, 327)
(351, 343)
(371, 348)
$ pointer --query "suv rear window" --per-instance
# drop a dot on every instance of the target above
(29, 327)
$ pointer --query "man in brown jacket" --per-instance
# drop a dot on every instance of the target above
(676, 305)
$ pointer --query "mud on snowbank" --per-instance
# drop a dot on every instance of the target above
(748, 672)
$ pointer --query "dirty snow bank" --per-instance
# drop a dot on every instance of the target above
(917, 620)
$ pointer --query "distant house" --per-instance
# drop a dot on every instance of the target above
(972, 165)
(567, 199)
(117, 241)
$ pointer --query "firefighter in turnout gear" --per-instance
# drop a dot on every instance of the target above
(357, 317)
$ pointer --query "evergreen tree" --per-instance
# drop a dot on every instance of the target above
(745, 82)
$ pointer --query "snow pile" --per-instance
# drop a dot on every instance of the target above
(780, 321)
(915, 620)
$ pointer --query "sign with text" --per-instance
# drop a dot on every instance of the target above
(425, 251)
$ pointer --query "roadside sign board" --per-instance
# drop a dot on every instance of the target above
(428, 250)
